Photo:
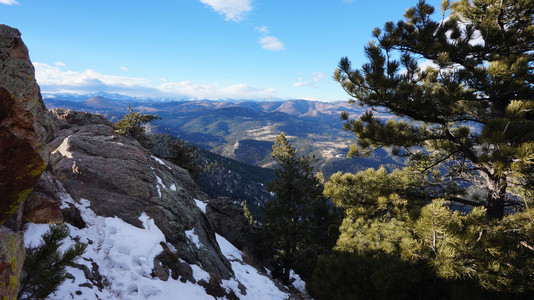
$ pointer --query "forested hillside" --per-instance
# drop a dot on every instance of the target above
(244, 131)
(219, 176)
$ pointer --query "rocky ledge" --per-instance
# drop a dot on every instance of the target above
(143, 218)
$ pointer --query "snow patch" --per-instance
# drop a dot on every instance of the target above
(160, 182)
(202, 205)
(298, 283)
(160, 161)
(258, 285)
(125, 257)
(173, 187)
(193, 238)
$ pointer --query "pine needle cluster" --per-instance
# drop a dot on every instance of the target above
(44, 267)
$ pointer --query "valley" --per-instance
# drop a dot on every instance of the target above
(243, 130)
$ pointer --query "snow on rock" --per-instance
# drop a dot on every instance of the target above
(298, 283)
(191, 236)
(202, 205)
(125, 256)
(160, 182)
(161, 162)
(258, 286)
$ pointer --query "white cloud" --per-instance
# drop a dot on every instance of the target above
(214, 91)
(60, 64)
(125, 69)
(271, 43)
(262, 29)
(232, 10)
(9, 2)
(50, 75)
(428, 63)
(54, 80)
(301, 83)
(318, 76)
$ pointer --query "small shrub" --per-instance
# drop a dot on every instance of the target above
(132, 123)
(44, 268)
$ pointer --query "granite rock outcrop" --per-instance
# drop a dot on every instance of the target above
(25, 129)
(25, 126)
(120, 178)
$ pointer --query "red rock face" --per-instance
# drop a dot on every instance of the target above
(24, 124)
(20, 164)
(24, 131)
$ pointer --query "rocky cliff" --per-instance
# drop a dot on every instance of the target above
(143, 219)
(25, 129)
(24, 124)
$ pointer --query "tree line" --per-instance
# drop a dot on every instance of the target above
(456, 221)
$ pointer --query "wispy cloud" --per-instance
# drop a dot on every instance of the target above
(301, 82)
(54, 80)
(9, 2)
(125, 69)
(60, 64)
(215, 91)
(232, 10)
(318, 76)
(271, 43)
(262, 30)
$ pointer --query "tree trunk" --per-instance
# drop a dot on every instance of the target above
(287, 261)
(496, 197)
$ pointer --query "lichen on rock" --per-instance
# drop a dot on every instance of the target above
(25, 126)
(12, 255)
(25, 129)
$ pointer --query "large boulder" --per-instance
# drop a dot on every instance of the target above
(120, 178)
(25, 126)
(25, 129)
(228, 220)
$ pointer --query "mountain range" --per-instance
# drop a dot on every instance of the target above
(242, 130)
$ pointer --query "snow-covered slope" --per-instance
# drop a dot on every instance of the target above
(124, 255)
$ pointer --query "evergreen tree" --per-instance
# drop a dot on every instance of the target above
(469, 112)
(179, 152)
(296, 221)
(393, 245)
(44, 267)
(464, 123)
(132, 124)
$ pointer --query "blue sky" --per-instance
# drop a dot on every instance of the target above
(214, 49)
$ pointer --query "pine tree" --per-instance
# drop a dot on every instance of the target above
(44, 266)
(132, 124)
(296, 221)
(469, 112)
(395, 244)
(464, 122)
